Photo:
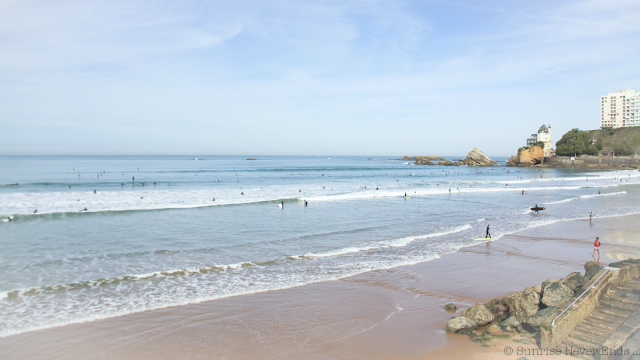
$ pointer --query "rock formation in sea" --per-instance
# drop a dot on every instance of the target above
(475, 157)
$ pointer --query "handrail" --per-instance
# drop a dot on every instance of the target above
(578, 298)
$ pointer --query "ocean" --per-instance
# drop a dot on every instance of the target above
(152, 235)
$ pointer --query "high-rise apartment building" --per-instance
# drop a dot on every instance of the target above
(619, 109)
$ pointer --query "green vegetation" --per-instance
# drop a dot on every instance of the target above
(575, 142)
(622, 141)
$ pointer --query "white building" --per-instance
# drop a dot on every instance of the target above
(619, 109)
(544, 135)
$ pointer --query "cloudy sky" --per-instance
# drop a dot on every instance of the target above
(359, 77)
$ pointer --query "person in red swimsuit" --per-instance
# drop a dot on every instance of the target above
(596, 247)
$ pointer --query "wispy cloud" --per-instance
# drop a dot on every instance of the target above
(255, 70)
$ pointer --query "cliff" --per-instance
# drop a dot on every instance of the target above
(530, 156)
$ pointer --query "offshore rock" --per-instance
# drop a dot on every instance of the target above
(451, 307)
(476, 157)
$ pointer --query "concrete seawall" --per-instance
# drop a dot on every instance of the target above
(584, 162)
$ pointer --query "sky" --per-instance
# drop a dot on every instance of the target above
(348, 77)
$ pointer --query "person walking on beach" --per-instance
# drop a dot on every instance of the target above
(596, 247)
(488, 235)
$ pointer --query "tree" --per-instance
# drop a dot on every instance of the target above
(575, 142)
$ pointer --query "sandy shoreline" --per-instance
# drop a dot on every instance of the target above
(387, 314)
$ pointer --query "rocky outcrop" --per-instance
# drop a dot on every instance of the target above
(421, 158)
(476, 157)
(533, 155)
(423, 162)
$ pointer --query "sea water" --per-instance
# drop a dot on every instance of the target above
(153, 236)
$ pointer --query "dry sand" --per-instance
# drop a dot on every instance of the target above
(387, 314)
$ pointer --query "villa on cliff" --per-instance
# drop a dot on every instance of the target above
(544, 135)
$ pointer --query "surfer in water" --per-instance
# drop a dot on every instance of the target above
(95, 192)
(214, 199)
(35, 211)
(488, 235)
(242, 193)
(590, 216)
(306, 203)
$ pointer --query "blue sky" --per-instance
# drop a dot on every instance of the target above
(306, 77)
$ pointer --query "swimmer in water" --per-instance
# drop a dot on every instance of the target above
(242, 193)
(95, 192)
(36, 211)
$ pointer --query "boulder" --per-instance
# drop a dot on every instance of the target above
(493, 302)
(499, 318)
(555, 294)
(542, 316)
(522, 305)
(547, 283)
(511, 322)
(458, 323)
(451, 307)
(574, 281)
(587, 264)
(493, 329)
(592, 271)
(479, 314)
(533, 289)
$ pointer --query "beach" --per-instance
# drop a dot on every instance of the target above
(387, 314)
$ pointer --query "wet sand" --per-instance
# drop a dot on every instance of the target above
(388, 314)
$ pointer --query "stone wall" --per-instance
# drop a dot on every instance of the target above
(583, 162)
(615, 275)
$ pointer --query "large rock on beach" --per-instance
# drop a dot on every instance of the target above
(510, 322)
(555, 294)
(592, 271)
(574, 281)
(542, 316)
(451, 307)
(522, 305)
(479, 314)
(458, 323)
